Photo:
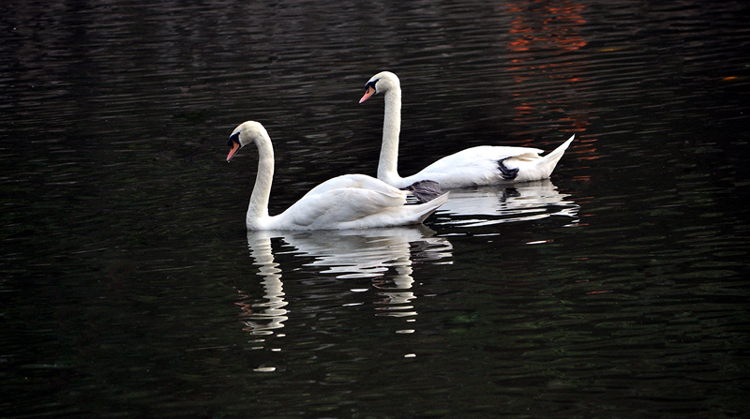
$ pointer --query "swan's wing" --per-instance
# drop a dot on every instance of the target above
(333, 207)
(474, 166)
(483, 155)
(355, 181)
(353, 202)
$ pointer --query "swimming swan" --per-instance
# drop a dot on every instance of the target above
(475, 166)
(344, 202)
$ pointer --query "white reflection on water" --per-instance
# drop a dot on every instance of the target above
(263, 317)
(347, 254)
(503, 204)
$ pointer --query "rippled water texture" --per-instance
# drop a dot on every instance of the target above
(129, 286)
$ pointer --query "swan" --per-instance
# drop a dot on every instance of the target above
(475, 166)
(344, 202)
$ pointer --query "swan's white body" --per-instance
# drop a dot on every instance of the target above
(476, 166)
(344, 202)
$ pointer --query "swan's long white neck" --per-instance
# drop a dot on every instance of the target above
(388, 166)
(258, 208)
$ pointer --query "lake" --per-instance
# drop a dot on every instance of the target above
(618, 288)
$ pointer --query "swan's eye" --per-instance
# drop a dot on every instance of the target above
(371, 84)
(234, 138)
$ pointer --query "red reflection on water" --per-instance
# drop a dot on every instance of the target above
(543, 29)
(541, 25)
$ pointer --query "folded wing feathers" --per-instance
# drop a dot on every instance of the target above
(425, 190)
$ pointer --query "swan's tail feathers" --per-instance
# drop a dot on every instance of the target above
(424, 190)
(550, 160)
(426, 209)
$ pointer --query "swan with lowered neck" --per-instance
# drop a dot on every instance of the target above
(475, 166)
(344, 202)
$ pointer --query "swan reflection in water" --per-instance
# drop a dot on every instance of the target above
(503, 204)
(346, 254)
(264, 317)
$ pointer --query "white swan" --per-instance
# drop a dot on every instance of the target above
(476, 166)
(344, 202)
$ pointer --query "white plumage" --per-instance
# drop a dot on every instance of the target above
(344, 202)
(476, 166)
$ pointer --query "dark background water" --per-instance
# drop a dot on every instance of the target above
(130, 288)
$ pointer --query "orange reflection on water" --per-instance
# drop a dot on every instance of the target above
(542, 25)
(552, 28)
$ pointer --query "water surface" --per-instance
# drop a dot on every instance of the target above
(130, 288)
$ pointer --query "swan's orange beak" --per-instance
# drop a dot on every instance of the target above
(368, 92)
(233, 151)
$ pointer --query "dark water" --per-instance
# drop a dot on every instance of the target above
(617, 289)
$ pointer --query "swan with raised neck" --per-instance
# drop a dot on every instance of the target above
(344, 202)
(475, 166)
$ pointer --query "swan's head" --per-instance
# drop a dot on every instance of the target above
(380, 83)
(246, 133)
